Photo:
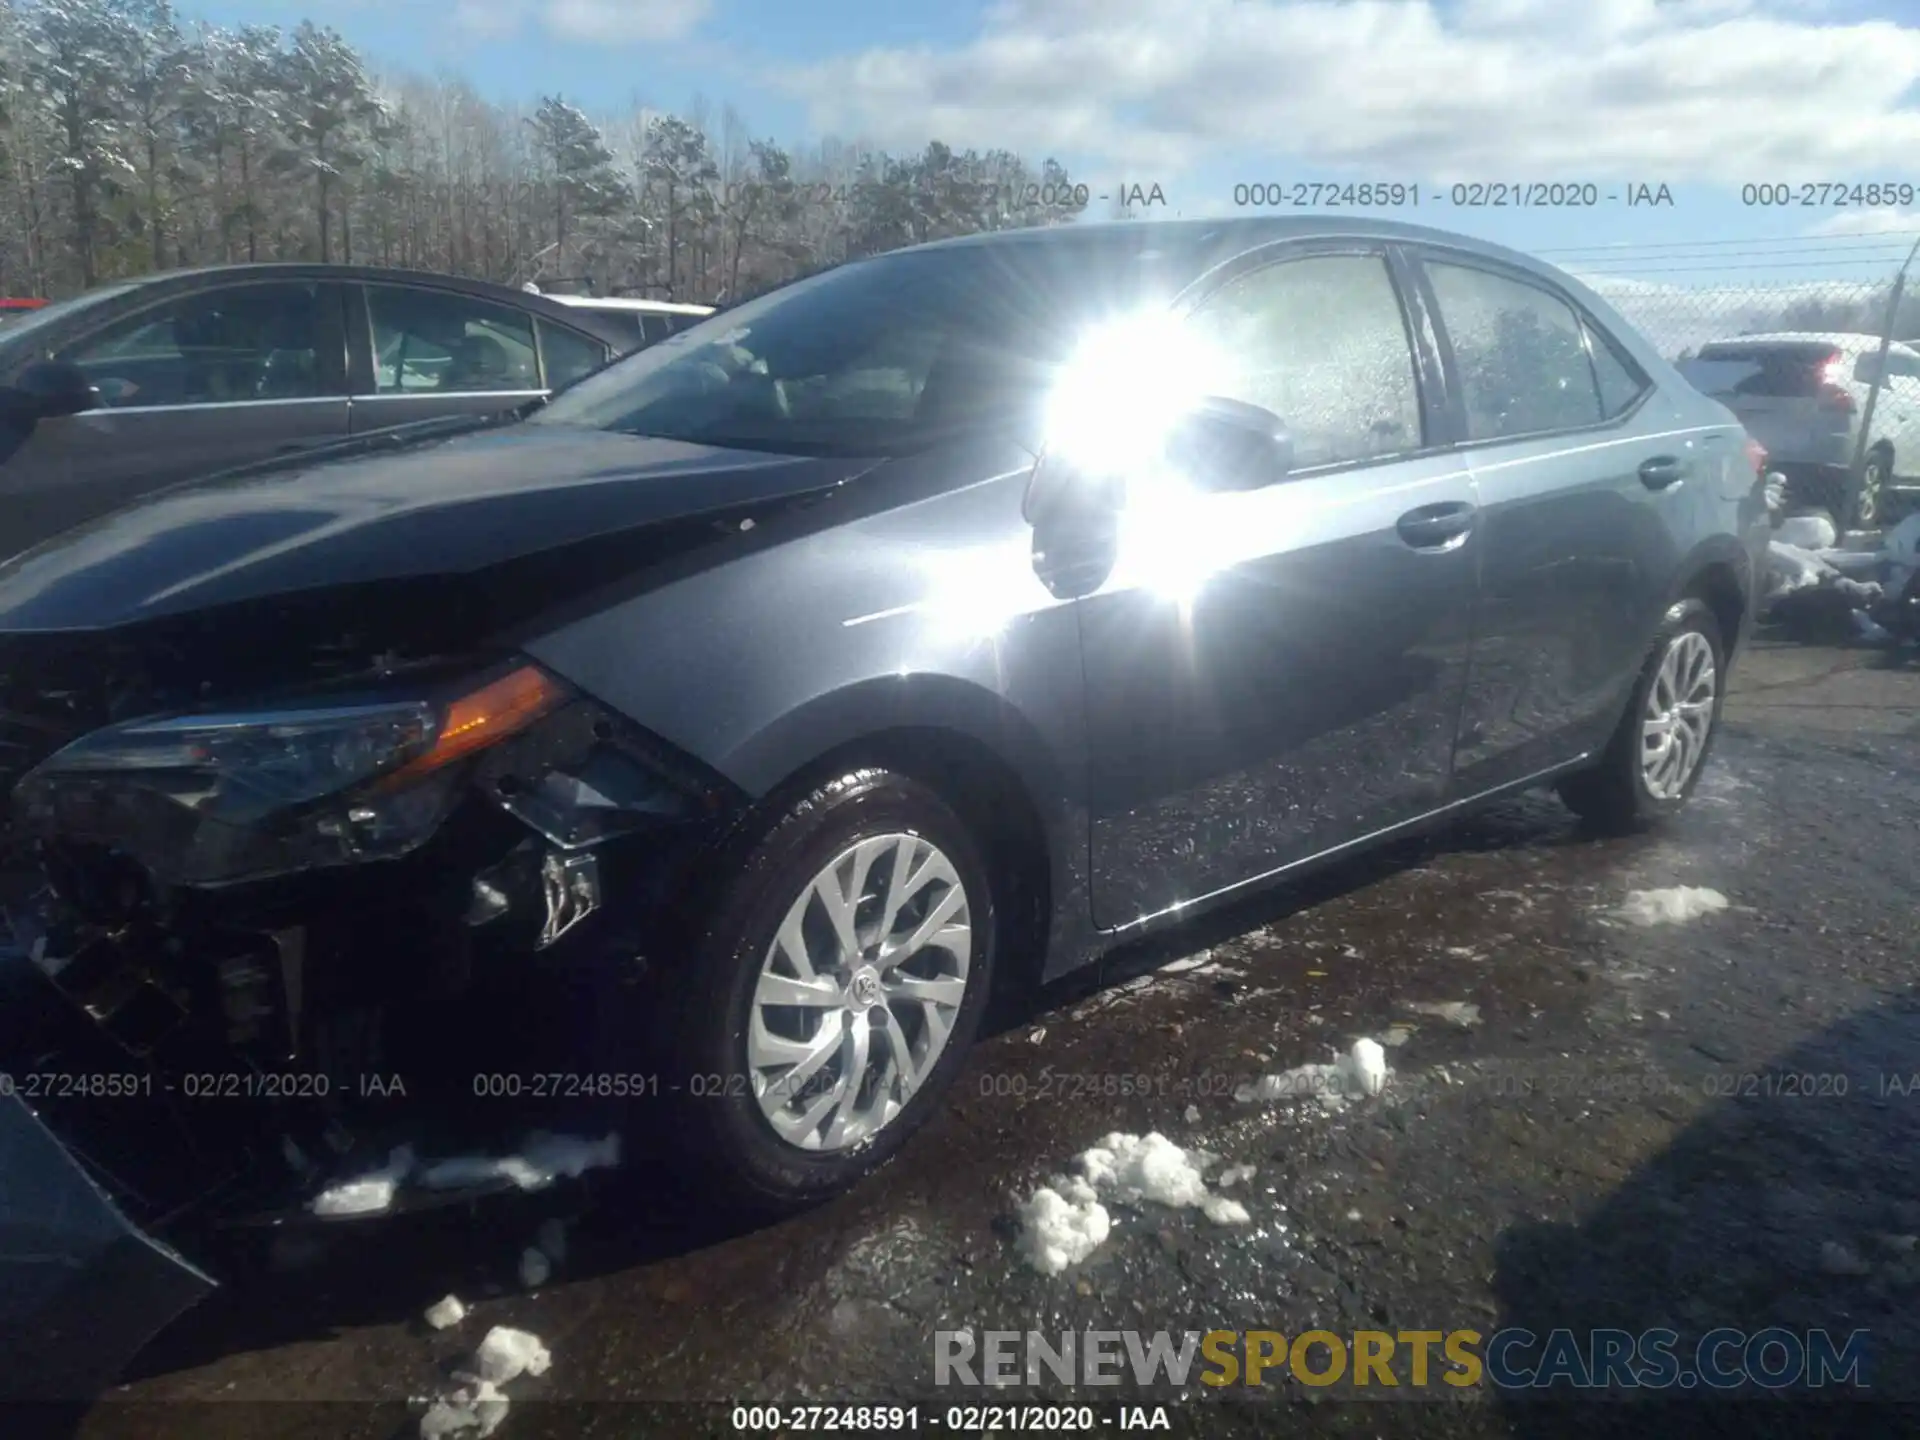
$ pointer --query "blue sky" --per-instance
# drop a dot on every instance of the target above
(1199, 96)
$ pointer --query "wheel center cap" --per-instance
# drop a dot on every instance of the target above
(863, 990)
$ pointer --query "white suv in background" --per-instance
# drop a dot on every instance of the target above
(1803, 394)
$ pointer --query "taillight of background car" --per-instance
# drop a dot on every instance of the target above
(1833, 376)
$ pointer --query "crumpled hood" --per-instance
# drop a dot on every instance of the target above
(429, 505)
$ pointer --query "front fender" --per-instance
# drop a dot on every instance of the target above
(923, 610)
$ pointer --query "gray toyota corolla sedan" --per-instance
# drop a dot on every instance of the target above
(685, 757)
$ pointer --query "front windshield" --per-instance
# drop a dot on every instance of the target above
(879, 357)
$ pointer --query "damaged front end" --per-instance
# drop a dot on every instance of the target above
(280, 935)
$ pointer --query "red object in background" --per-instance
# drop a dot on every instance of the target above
(9, 302)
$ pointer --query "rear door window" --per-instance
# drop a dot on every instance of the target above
(1520, 353)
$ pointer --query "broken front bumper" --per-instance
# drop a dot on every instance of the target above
(81, 1290)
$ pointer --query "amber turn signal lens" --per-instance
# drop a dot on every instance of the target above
(493, 712)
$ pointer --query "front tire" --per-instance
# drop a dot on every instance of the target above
(1656, 757)
(834, 993)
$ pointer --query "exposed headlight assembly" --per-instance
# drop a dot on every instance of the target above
(216, 798)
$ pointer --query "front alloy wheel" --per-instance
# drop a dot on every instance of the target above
(859, 992)
(838, 981)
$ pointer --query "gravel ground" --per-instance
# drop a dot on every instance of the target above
(1685, 1126)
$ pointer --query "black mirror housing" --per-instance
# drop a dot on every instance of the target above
(49, 389)
(1231, 445)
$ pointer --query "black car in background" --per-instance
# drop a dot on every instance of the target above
(129, 388)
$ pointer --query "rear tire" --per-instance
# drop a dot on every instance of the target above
(1873, 487)
(1657, 755)
(884, 1026)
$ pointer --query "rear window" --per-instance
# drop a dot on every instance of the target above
(1785, 371)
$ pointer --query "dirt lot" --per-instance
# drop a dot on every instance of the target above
(1601, 1145)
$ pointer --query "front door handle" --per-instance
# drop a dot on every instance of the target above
(1662, 472)
(1436, 527)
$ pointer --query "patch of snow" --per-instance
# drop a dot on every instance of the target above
(443, 1313)
(1224, 1211)
(1808, 532)
(1150, 1167)
(1062, 1227)
(1193, 1115)
(1233, 1175)
(507, 1354)
(1673, 905)
(1190, 962)
(1066, 1221)
(535, 1268)
(1463, 1013)
(367, 1194)
(476, 1406)
(542, 1159)
(1362, 1071)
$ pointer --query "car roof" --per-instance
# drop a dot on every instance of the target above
(628, 303)
(1839, 339)
(1196, 238)
(127, 293)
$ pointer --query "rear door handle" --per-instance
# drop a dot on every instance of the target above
(1436, 527)
(1662, 472)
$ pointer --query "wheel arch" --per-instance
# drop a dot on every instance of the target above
(971, 747)
(1718, 573)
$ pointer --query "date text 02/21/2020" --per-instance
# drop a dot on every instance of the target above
(960, 1419)
(1467, 195)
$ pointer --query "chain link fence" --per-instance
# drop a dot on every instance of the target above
(1685, 298)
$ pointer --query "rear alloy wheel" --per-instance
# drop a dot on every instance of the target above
(840, 983)
(1656, 756)
(1873, 483)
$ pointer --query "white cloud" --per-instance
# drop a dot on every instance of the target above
(1870, 222)
(594, 21)
(1660, 90)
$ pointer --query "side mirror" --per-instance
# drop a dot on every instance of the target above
(49, 389)
(1231, 445)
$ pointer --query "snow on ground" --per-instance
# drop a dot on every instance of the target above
(477, 1402)
(1361, 1071)
(541, 1160)
(474, 1405)
(1066, 1221)
(1062, 1225)
(1673, 905)
(367, 1194)
(1808, 532)
(443, 1313)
